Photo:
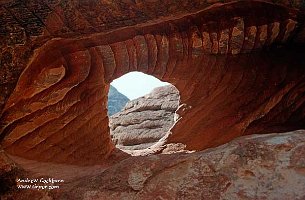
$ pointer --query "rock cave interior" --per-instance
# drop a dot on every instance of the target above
(236, 67)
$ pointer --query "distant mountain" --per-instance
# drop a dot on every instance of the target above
(116, 101)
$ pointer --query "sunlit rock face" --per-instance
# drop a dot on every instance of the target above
(116, 101)
(145, 120)
(251, 167)
(238, 65)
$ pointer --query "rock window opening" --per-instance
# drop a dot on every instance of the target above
(141, 110)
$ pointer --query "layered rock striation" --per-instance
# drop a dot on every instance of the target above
(145, 120)
(251, 167)
(238, 66)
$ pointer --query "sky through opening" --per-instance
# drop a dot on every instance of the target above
(136, 84)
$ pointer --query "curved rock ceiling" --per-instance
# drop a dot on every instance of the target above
(239, 67)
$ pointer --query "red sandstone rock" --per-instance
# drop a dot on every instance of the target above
(238, 65)
(252, 167)
(9, 171)
(239, 68)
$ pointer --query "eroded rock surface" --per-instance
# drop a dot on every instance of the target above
(239, 67)
(252, 167)
(145, 120)
(9, 172)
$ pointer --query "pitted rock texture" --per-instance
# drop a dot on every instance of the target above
(116, 101)
(239, 67)
(252, 167)
(145, 120)
(9, 172)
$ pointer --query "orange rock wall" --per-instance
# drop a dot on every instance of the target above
(236, 65)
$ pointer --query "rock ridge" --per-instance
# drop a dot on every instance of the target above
(145, 120)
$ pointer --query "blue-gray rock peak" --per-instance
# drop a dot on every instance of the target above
(116, 101)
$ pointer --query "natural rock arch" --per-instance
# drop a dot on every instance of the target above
(230, 67)
(147, 116)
